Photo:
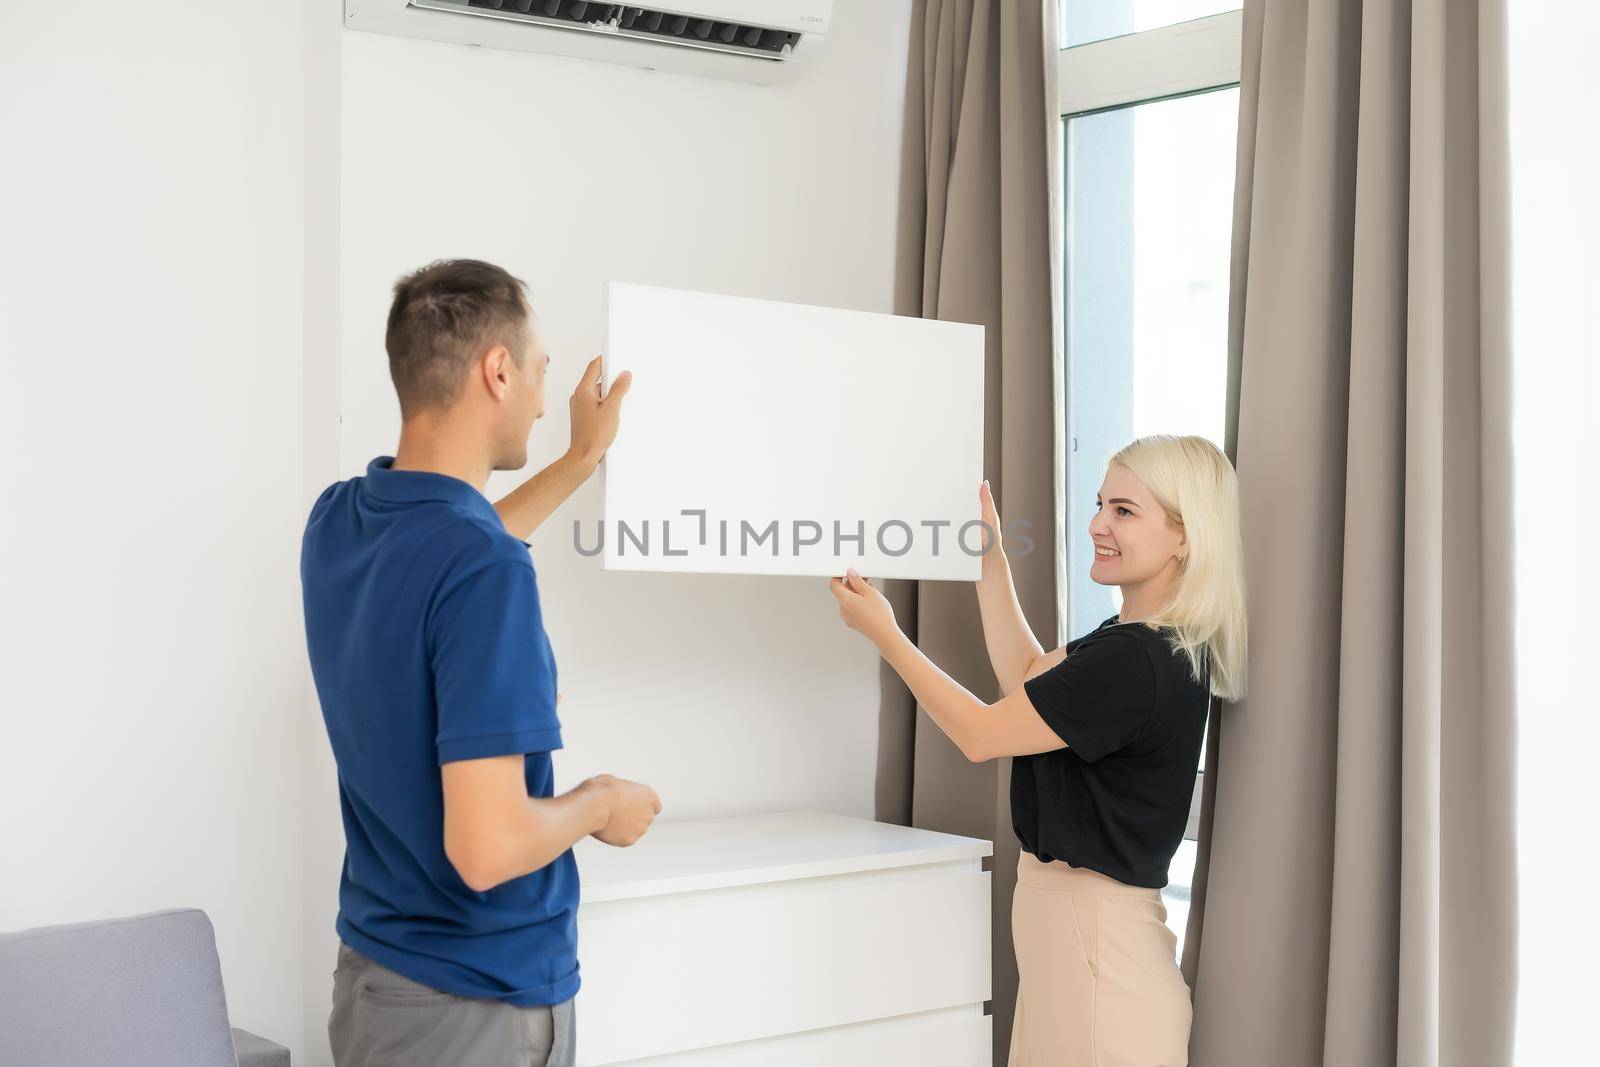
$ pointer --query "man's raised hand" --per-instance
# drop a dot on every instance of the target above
(596, 413)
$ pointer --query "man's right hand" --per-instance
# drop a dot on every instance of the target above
(596, 413)
(632, 807)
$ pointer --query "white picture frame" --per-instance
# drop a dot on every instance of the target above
(761, 437)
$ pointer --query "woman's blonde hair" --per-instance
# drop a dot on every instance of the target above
(1196, 485)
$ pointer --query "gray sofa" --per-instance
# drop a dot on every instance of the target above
(141, 990)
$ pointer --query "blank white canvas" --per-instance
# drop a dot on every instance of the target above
(825, 422)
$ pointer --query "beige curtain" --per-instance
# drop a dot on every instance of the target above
(1355, 902)
(979, 233)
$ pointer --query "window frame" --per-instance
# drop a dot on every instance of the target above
(1139, 68)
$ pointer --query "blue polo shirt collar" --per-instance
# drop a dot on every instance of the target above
(416, 487)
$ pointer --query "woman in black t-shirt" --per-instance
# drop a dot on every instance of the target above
(1106, 734)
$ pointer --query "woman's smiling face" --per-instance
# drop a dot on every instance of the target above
(1134, 540)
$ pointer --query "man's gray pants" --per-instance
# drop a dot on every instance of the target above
(384, 1019)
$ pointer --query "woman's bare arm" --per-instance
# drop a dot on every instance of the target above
(1013, 649)
(1009, 727)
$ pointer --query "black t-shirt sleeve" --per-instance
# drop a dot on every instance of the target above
(1100, 697)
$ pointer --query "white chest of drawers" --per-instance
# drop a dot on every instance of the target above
(786, 939)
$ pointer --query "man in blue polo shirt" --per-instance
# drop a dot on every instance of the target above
(459, 894)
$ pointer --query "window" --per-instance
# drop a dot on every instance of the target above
(1150, 115)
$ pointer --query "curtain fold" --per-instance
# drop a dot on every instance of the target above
(1355, 897)
(979, 242)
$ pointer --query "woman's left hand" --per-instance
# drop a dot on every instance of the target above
(863, 608)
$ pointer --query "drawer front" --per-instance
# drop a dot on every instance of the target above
(696, 970)
(954, 1037)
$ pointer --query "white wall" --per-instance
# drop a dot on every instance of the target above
(199, 239)
(728, 694)
(1556, 435)
(150, 637)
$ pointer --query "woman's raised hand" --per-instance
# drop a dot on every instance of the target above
(863, 608)
(991, 518)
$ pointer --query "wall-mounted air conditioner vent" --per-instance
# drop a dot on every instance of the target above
(747, 40)
(646, 23)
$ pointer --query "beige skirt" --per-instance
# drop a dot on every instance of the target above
(1099, 984)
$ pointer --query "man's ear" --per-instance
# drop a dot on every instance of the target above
(496, 377)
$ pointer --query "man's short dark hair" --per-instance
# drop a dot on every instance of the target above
(442, 319)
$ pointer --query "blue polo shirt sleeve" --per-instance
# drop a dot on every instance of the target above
(1100, 697)
(494, 675)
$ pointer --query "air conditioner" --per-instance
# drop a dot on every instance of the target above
(739, 40)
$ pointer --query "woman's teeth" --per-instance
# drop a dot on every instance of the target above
(1106, 553)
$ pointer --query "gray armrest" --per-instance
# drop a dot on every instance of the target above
(258, 1051)
(139, 989)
